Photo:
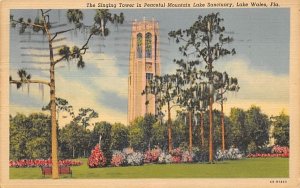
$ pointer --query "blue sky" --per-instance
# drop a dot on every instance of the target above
(261, 39)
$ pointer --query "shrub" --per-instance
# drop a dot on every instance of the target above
(252, 147)
(187, 157)
(200, 155)
(164, 158)
(118, 159)
(152, 155)
(280, 149)
(96, 159)
(231, 154)
(176, 155)
(135, 159)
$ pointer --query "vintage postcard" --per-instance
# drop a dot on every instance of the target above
(150, 94)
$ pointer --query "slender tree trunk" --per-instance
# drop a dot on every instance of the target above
(53, 123)
(210, 67)
(190, 132)
(54, 147)
(223, 127)
(210, 129)
(169, 128)
(73, 148)
(202, 130)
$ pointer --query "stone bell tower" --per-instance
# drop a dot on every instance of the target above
(144, 64)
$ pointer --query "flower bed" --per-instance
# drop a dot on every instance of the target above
(280, 149)
(25, 163)
(267, 155)
(277, 151)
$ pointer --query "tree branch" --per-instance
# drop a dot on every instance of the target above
(29, 24)
(29, 81)
(60, 32)
(47, 11)
(83, 48)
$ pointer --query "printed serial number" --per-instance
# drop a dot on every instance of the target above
(278, 181)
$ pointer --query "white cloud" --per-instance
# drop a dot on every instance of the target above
(265, 89)
(80, 90)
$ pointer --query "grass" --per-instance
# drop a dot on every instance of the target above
(246, 168)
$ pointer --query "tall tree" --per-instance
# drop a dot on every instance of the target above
(66, 53)
(206, 40)
(72, 138)
(165, 90)
(259, 125)
(223, 84)
(120, 136)
(240, 132)
(191, 91)
(102, 133)
(84, 116)
(62, 105)
(281, 131)
(136, 137)
(30, 136)
(147, 129)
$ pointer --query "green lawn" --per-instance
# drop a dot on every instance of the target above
(246, 168)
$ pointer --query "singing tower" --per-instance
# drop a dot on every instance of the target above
(144, 64)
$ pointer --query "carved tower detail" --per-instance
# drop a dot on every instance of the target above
(144, 64)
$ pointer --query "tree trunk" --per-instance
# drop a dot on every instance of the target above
(73, 152)
(223, 127)
(53, 123)
(202, 130)
(190, 132)
(210, 129)
(169, 128)
(53, 105)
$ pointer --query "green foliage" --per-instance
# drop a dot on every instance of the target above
(75, 16)
(103, 129)
(120, 136)
(85, 115)
(61, 105)
(239, 131)
(258, 125)
(147, 130)
(179, 132)
(102, 17)
(141, 133)
(72, 138)
(250, 129)
(252, 148)
(30, 136)
(160, 135)
(281, 131)
(135, 134)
